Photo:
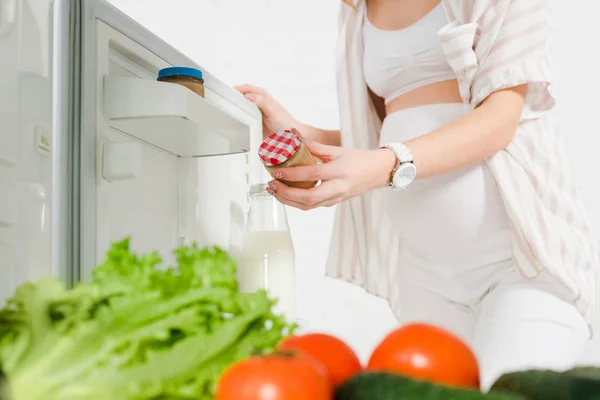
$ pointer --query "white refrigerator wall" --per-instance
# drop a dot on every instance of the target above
(25, 141)
(287, 46)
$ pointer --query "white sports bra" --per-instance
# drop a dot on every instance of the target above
(396, 62)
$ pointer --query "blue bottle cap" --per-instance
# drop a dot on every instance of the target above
(180, 71)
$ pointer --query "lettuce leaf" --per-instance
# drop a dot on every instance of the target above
(136, 331)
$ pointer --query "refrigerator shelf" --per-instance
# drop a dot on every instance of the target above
(172, 118)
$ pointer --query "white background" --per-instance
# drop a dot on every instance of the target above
(288, 47)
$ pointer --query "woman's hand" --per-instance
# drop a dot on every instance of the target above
(275, 117)
(345, 173)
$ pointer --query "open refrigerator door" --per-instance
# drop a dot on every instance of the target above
(158, 162)
(94, 149)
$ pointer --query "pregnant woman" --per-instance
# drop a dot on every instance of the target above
(456, 201)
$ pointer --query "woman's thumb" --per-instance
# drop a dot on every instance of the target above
(257, 99)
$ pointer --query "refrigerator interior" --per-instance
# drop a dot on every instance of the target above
(93, 149)
(158, 163)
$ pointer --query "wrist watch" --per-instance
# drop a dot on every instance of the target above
(405, 170)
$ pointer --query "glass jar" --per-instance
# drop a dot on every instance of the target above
(268, 258)
(285, 149)
(191, 78)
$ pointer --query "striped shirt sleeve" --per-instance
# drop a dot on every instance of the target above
(514, 49)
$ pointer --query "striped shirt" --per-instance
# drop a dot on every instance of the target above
(490, 45)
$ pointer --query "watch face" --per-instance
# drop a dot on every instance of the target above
(405, 174)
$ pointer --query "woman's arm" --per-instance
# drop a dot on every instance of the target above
(347, 173)
(333, 138)
(478, 135)
(323, 136)
(276, 118)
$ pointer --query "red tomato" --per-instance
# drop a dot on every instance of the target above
(427, 352)
(340, 361)
(285, 376)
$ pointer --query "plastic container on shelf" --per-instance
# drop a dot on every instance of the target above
(191, 78)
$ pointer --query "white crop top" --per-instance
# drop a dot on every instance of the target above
(396, 62)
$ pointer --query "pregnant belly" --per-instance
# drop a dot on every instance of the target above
(452, 218)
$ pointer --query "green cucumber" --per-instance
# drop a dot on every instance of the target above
(575, 384)
(386, 386)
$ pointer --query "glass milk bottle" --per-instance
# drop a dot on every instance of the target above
(268, 254)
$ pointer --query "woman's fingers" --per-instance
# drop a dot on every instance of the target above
(249, 89)
(328, 193)
(316, 172)
(299, 206)
(256, 95)
(304, 207)
(322, 151)
(263, 100)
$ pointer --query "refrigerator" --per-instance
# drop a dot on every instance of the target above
(94, 149)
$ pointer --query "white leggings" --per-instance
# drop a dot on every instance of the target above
(518, 324)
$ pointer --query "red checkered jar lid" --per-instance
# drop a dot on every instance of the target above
(278, 148)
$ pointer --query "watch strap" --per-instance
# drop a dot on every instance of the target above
(400, 150)
(403, 155)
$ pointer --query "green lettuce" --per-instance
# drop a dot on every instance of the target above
(136, 331)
